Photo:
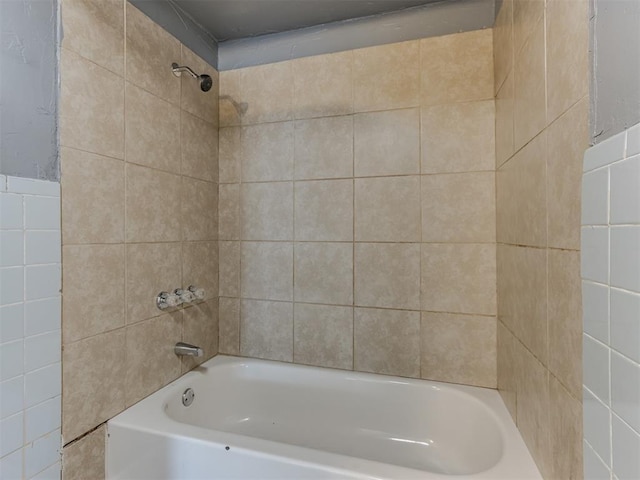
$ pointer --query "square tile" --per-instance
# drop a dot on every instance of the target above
(229, 323)
(199, 210)
(324, 148)
(386, 77)
(324, 210)
(229, 269)
(596, 368)
(311, 75)
(625, 327)
(267, 211)
(229, 211)
(199, 141)
(266, 330)
(267, 270)
(625, 258)
(387, 209)
(267, 152)
(229, 154)
(387, 275)
(625, 185)
(459, 349)
(459, 207)
(387, 143)
(324, 273)
(387, 342)
(595, 254)
(323, 336)
(459, 278)
(504, 120)
(457, 67)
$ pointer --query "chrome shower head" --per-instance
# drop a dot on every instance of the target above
(205, 80)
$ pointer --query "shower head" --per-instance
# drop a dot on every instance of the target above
(205, 80)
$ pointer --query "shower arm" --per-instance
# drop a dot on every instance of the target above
(177, 70)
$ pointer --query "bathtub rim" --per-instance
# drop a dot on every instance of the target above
(515, 460)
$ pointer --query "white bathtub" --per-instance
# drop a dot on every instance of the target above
(254, 419)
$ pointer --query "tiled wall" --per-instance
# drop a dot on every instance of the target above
(139, 216)
(611, 300)
(541, 84)
(357, 210)
(30, 383)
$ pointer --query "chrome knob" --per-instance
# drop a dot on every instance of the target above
(185, 296)
(198, 293)
(166, 300)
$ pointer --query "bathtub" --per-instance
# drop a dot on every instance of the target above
(255, 419)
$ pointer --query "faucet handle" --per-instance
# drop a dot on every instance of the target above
(198, 293)
(166, 300)
(186, 296)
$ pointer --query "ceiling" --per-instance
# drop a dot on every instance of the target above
(234, 19)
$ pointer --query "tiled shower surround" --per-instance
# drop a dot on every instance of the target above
(139, 216)
(357, 210)
(542, 112)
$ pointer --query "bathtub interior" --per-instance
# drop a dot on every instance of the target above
(413, 424)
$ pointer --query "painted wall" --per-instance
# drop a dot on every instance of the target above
(139, 216)
(615, 81)
(29, 89)
(437, 19)
(30, 369)
(541, 73)
(357, 222)
(611, 300)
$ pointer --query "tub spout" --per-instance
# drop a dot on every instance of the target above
(185, 349)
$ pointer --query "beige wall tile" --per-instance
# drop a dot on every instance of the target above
(324, 148)
(503, 43)
(91, 107)
(92, 198)
(267, 211)
(200, 267)
(323, 336)
(151, 268)
(229, 111)
(459, 349)
(230, 154)
(151, 361)
(565, 421)
(93, 368)
(150, 52)
(324, 273)
(458, 138)
(267, 91)
(324, 210)
(85, 459)
(267, 270)
(95, 30)
(459, 278)
(199, 148)
(229, 211)
(266, 330)
(457, 68)
(522, 295)
(387, 341)
(152, 203)
(459, 207)
(151, 143)
(507, 374)
(199, 210)
(521, 196)
(533, 409)
(387, 143)
(387, 209)
(567, 139)
(387, 275)
(567, 54)
(229, 268)
(200, 328)
(386, 77)
(192, 99)
(93, 290)
(312, 75)
(526, 15)
(565, 319)
(504, 121)
(229, 315)
(529, 109)
(267, 152)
